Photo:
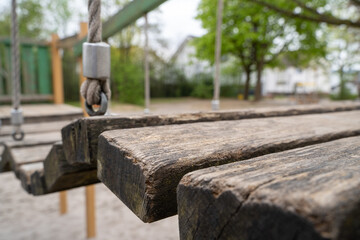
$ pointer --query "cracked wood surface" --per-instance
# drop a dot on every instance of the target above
(143, 166)
(307, 193)
(80, 138)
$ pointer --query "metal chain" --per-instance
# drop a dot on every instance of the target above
(15, 57)
(16, 113)
(91, 89)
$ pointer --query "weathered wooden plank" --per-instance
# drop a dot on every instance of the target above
(143, 166)
(26, 155)
(30, 128)
(43, 113)
(37, 185)
(30, 140)
(25, 173)
(305, 193)
(60, 175)
(80, 138)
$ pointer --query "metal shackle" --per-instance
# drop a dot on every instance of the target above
(96, 60)
(16, 117)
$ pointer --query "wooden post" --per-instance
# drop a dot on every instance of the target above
(89, 190)
(216, 100)
(147, 72)
(57, 76)
(58, 95)
(63, 202)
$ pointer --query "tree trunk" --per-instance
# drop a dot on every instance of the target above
(258, 90)
(247, 84)
(342, 92)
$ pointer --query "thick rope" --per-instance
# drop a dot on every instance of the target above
(15, 70)
(92, 88)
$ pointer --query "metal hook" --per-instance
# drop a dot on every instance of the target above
(103, 106)
(18, 134)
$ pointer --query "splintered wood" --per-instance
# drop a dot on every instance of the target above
(144, 166)
(306, 193)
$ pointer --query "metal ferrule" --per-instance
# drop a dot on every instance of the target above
(96, 60)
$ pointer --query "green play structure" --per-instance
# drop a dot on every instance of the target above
(36, 82)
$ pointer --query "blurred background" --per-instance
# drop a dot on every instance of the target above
(301, 51)
(274, 52)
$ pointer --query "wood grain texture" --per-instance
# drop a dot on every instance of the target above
(306, 193)
(143, 166)
(26, 155)
(36, 113)
(80, 138)
(30, 140)
(25, 173)
(35, 128)
(60, 175)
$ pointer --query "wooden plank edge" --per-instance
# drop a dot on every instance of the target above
(80, 137)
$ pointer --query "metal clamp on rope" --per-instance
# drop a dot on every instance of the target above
(96, 65)
(103, 107)
(96, 61)
(17, 120)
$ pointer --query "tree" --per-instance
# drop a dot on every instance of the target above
(344, 54)
(30, 18)
(256, 36)
(317, 10)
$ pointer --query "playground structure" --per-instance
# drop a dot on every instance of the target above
(179, 164)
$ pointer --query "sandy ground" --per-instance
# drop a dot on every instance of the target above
(181, 105)
(23, 216)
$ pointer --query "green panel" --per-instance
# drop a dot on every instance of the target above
(28, 70)
(129, 14)
(44, 70)
(2, 70)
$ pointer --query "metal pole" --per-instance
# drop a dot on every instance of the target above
(147, 71)
(215, 104)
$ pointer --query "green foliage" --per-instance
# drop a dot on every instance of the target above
(258, 37)
(127, 77)
(30, 18)
(203, 86)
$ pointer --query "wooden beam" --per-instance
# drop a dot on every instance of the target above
(80, 138)
(26, 155)
(30, 128)
(57, 75)
(42, 113)
(307, 193)
(90, 211)
(25, 172)
(143, 166)
(12, 156)
(89, 190)
(63, 202)
(60, 175)
(126, 16)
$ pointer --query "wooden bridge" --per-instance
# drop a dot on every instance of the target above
(272, 173)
